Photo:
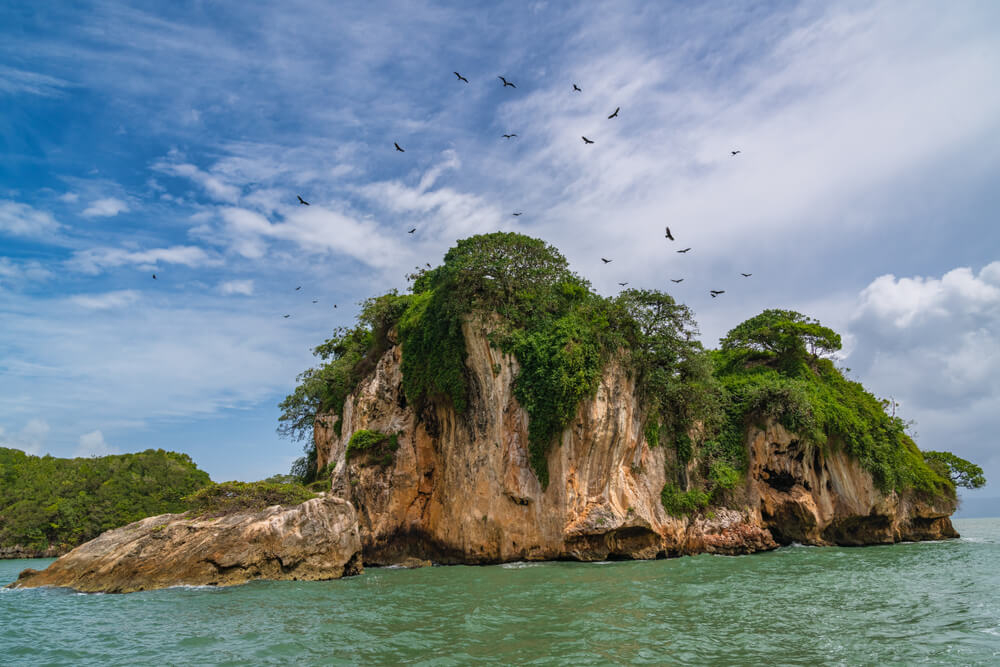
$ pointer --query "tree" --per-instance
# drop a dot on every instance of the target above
(784, 337)
(963, 473)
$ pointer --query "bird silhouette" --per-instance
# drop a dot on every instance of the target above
(334, 305)
(154, 276)
(586, 140)
(746, 275)
(460, 77)
(735, 152)
(577, 88)
(669, 235)
(623, 284)
(607, 261)
(298, 288)
(685, 250)
(302, 201)
(412, 230)
(517, 213)
(397, 147)
(286, 316)
(508, 136)
(679, 280)
(716, 292)
(506, 82)
(615, 114)
(315, 300)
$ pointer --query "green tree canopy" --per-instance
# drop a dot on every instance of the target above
(963, 473)
(784, 336)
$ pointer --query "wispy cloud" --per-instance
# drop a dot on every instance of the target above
(244, 287)
(18, 219)
(116, 299)
(13, 273)
(105, 208)
(216, 188)
(17, 81)
(30, 438)
(95, 260)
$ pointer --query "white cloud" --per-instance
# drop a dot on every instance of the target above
(69, 197)
(31, 438)
(12, 272)
(244, 287)
(14, 81)
(216, 187)
(22, 220)
(105, 208)
(106, 301)
(94, 260)
(93, 444)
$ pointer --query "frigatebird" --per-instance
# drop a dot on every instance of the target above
(508, 136)
(685, 250)
(397, 147)
(154, 276)
(517, 213)
(623, 284)
(586, 140)
(577, 88)
(735, 152)
(298, 288)
(506, 82)
(716, 292)
(607, 261)
(669, 235)
(286, 316)
(412, 230)
(679, 280)
(615, 114)
(302, 201)
(460, 77)
(746, 275)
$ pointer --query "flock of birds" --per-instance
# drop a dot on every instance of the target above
(508, 136)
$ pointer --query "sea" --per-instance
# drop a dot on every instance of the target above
(905, 604)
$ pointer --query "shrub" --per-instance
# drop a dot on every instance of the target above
(231, 497)
(682, 503)
(375, 447)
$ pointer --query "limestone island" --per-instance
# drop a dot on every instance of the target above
(503, 411)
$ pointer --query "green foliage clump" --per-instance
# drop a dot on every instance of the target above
(231, 497)
(961, 472)
(652, 433)
(376, 447)
(723, 475)
(682, 503)
(52, 502)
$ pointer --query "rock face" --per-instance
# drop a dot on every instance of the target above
(460, 488)
(312, 541)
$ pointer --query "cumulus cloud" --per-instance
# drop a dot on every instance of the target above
(107, 300)
(13, 272)
(93, 444)
(18, 219)
(244, 287)
(30, 438)
(94, 260)
(105, 208)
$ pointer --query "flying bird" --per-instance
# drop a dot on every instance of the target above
(679, 280)
(517, 213)
(716, 292)
(334, 305)
(685, 250)
(154, 276)
(735, 152)
(412, 230)
(508, 136)
(623, 284)
(577, 88)
(669, 235)
(298, 288)
(607, 261)
(460, 77)
(615, 114)
(315, 300)
(287, 316)
(746, 275)
(302, 201)
(586, 140)
(397, 147)
(506, 82)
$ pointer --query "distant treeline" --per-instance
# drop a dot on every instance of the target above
(52, 503)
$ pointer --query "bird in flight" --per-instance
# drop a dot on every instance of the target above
(679, 280)
(623, 284)
(735, 152)
(334, 305)
(397, 147)
(716, 292)
(607, 261)
(298, 288)
(287, 316)
(506, 82)
(517, 213)
(412, 230)
(508, 136)
(746, 275)
(460, 77)
(302, 201)
(685, 250)
(615, 114)
(669, 235)
(577, 88)
(315, 300)
(154, 276)
(586, 140)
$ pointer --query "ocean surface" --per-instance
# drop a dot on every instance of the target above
(936, 602)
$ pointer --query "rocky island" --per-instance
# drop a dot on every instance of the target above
(502, 410)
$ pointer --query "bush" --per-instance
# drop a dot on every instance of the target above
(682, 503)
(231, 497)
(375, 447)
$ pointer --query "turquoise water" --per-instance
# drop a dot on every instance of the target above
(910, 603)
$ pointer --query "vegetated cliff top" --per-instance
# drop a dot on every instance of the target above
(53, 502)
(562, 333)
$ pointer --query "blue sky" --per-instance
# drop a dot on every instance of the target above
(174, 139)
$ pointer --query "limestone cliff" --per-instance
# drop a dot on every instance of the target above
(459, 488)
(312, 541)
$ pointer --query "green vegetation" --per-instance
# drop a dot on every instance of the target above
(563, 335)
(961, 472)
(375, 447)
(230, 497)
(52, 502)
